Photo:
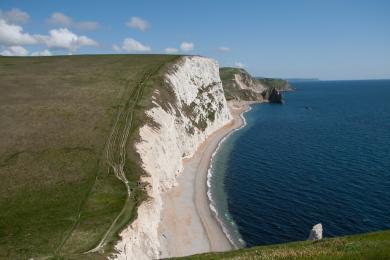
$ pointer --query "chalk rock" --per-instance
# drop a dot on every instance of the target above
(186, 109)
(316, 232)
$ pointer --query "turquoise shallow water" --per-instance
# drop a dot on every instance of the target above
(322, 156)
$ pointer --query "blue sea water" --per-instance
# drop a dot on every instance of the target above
(321, 157)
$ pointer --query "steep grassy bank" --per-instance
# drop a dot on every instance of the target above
(364, 246)
(63, 123)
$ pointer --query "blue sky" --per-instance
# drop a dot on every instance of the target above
(329, 39)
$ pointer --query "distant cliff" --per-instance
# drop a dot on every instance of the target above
(278, 84)
(273, 95)
(238, 84)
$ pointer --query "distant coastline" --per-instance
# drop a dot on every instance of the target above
(301, 79)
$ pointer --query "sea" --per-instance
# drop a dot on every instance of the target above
(323, 156)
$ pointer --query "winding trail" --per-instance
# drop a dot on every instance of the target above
(115, 156)
(116, 149)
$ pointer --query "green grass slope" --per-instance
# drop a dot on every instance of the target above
(62, 121)
(364, 246)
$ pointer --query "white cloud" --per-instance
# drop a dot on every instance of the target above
(42, 53)
(171, 50)
(138, 23)
(116, 48)
(11, 34)
(131, 45)
(64, 39)
(223, 48)
(187, 46)
(15, 16)
(14, 51)
(61, 19)
(239, 64)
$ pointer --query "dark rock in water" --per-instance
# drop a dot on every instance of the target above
(275, 96)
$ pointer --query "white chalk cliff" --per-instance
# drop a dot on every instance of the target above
(316, 232)
(197, 108)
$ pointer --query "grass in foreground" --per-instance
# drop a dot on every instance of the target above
(364, 246)
(58, 196)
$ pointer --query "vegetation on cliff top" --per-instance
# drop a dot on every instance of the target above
(363, 246)
(58, 194)
(278, 84)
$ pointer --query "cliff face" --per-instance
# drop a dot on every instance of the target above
(245, 81)
(240, 85)
(185, 112)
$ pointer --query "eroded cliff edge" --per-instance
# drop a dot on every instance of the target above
(186, 110)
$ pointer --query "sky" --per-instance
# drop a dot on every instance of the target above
(326, 39)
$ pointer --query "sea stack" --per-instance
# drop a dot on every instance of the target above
(275, 96)
(316, 232)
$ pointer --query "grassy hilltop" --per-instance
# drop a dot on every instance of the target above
(59, 132)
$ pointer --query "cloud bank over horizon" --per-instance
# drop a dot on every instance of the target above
(14, 40)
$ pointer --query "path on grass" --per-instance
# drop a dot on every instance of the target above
(115, 156)
(116, 150)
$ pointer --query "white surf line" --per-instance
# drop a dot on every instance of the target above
(209, 176)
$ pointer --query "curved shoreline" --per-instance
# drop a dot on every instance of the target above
(188, 224)
(212, 202)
